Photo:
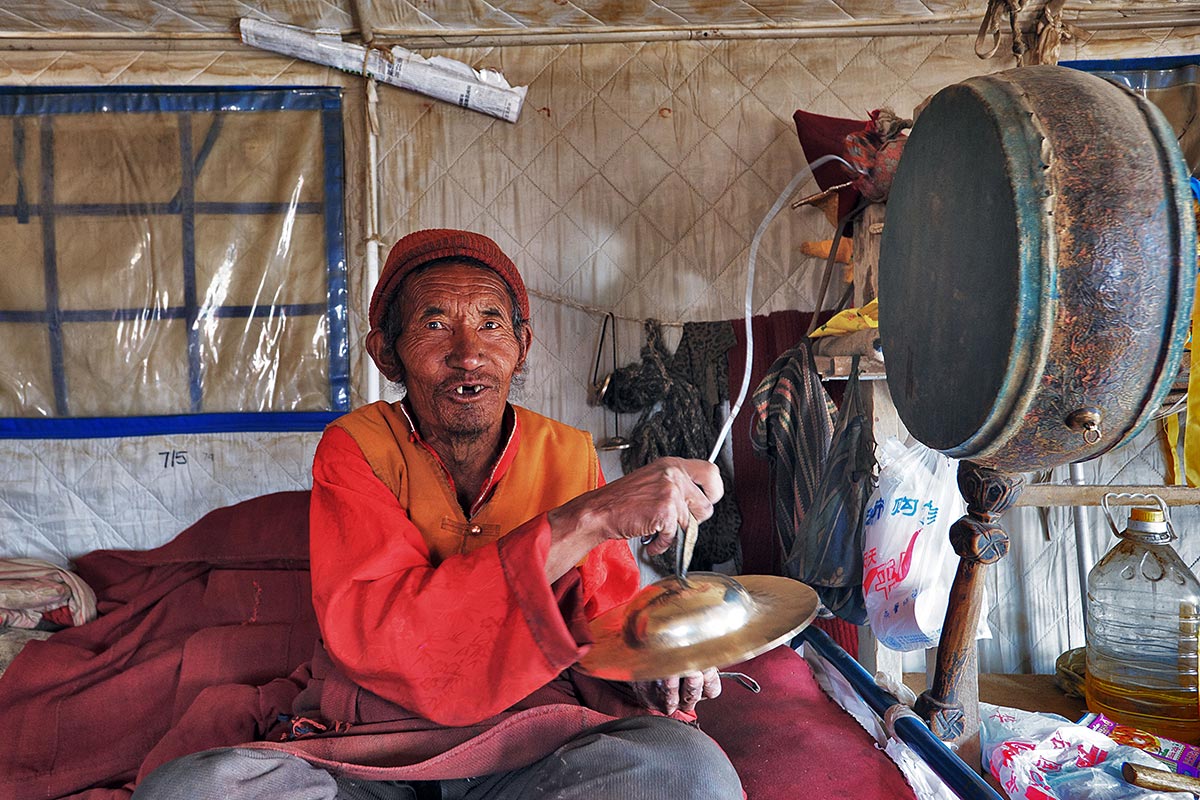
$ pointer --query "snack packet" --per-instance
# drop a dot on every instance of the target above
(1047, 757)
(1181, 757)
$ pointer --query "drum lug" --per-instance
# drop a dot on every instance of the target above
(1086, 421)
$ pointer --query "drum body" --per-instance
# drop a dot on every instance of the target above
(1037, 269)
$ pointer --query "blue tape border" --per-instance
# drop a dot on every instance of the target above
(33, 100)
(335, 256)
(1142, 74)
(58, 373)
(1129, 64)
(113, 427)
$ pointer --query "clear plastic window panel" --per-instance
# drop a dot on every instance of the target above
(1171, 83)
(174, 261)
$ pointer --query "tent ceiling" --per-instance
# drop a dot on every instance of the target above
(218, 18)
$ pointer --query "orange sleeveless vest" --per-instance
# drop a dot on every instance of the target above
(554, 463)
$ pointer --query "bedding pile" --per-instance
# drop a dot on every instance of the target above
(191, 650)
(208, 641)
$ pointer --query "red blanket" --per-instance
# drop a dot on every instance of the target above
(188, 652)
(204, 642)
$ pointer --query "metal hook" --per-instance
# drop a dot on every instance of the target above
(1086, 422)
(743, 679)
(599, 386)
(600, 353)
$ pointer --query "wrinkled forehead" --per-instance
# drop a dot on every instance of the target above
(454, 285)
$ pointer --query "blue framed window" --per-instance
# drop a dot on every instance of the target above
(174, 261)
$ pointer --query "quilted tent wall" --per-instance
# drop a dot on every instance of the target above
(64, 497)
(632, 182)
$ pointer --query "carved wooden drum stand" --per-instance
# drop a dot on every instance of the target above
(1035, 292)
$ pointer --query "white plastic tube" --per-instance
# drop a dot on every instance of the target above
(748, 306)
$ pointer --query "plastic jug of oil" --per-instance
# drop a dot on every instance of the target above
(1142, 621)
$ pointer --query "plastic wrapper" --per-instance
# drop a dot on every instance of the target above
(1047, 757)
(1179, 757)
(172, 253)
(908, 562)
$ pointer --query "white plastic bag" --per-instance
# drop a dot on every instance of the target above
(1046, 757)
(908, 563)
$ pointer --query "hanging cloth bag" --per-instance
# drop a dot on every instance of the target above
(827, 550)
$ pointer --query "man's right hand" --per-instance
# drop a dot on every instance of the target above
(652, 501)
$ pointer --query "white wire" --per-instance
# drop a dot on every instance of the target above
(748, 307)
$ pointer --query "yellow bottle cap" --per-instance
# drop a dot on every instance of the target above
(1146, 515)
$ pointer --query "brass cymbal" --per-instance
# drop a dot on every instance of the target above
(704, 620)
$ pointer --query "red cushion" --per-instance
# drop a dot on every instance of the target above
(792, 741)
(825, 136)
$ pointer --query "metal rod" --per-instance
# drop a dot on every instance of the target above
(1083, 537)
(962, 780)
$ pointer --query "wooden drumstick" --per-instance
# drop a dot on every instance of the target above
(1159, 779)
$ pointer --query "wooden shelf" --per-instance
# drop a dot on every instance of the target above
(1059, 494)
(863, 343)
(838, 368)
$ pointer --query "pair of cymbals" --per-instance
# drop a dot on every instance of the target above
(695, 621)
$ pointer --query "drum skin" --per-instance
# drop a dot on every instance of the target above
(1037, 269)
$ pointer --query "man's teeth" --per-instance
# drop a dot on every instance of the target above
(473, 389)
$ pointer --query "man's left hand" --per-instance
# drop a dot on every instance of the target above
(681, 693)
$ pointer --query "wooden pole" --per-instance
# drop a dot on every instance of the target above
(952, 23)
(978, 539)
(1158, 779)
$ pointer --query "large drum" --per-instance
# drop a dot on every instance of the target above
(1036, 269)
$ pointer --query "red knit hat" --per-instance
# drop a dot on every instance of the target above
(433, 244)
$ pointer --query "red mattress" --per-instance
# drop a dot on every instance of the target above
(197, 639)
(791, 741)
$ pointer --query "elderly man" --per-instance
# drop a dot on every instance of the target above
(459, 546)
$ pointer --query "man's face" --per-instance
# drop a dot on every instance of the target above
(458, 349)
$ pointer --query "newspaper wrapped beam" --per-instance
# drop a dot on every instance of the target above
(483, 90)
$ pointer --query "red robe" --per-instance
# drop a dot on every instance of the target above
(436, 620)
